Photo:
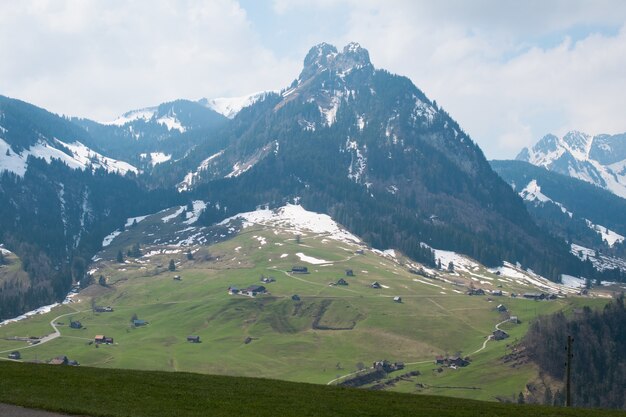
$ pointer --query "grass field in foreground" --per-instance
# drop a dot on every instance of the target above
(125, 393)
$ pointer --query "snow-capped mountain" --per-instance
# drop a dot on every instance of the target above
(373, 151)
(28, 131)
(588, 218)
(230, 106)
(599, 160)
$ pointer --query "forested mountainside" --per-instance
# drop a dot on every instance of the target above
(585, 216)
(599, 367)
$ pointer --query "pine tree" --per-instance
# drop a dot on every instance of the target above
(120, 257)
(189, 255)
(102, 281)
(520, 398)
(547, 398)
(172, 266)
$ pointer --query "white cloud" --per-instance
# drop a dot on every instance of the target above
(97, 59)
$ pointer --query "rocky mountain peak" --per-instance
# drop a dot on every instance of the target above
(324, 57)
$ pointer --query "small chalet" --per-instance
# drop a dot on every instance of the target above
(295, 297)
(138, 323)
(500, 334)
(267, 280)
(514, 319)
(253, 290)
(193, 339)
(342, 282)
(349, 273)
(475, 291)
(299, 270)
(440, 360)
(359, 252)
(375, 284)
(397, 299)
(76, 325)
(102, 339)
(103, 309)
(233, 290)
(177, 278)
(387, 366)
(497, 293)
(501, 308)
(457, 361)
(59, 360)
(534, 296)
(15, 355)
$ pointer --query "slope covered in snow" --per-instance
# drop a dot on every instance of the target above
(79, 157)
(230, 106)
(295, 218)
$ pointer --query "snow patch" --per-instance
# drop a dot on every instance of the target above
(109, 238)
(311, 260)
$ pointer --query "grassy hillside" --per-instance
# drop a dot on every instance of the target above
(320, 338)
(124, 393)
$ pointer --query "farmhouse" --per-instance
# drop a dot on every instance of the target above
(342, 282)
(253, 290)
(267, 280)
(452, 361)
(138, 322)
(375, 284)
(295, 297)
(501, 308)
(500, 334)
(76, 325)
(359, 252)
(397, 299)
(387, 366)
(107, 309)
(59, 360)
(534, 296)
(299, 270)
(514, 319)
(15, 355)
(349, 273)
(475, 291)
(233, 290)
(177, 278)
(102, 339)
(193, 339)
(497, 293)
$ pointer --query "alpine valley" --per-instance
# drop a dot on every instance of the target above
(302, 234)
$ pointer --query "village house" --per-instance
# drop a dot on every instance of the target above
(253, 290)
(107, 309)
(475, 291)
(359, 252)
(59, 360)
(497, 293)
(15, 355)
(233, 290)
(295, 297)
(177, 278)
(500, 334)
(349, 273)
(397, 299)
(138, 322)
(267, 280)
(193, 339)
(375, 284)
(76, 325)
(102, 339)
(342, 282)
(514, 319)
(387, 366)
(501, 308)
(452, 361)
(534, 296)
(299, 270)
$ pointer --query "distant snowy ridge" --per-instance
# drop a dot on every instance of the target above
(81, 157)
(599, 160)
(230, 106)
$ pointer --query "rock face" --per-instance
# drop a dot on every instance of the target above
(599, 160)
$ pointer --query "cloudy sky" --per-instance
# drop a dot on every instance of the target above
(508, 71)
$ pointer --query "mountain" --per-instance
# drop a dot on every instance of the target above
(370, 149)
(153, 135)
(28, 131)
(589, 218)
(230, 106)
(599, 160)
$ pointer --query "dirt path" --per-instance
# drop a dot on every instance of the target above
(15, 411)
